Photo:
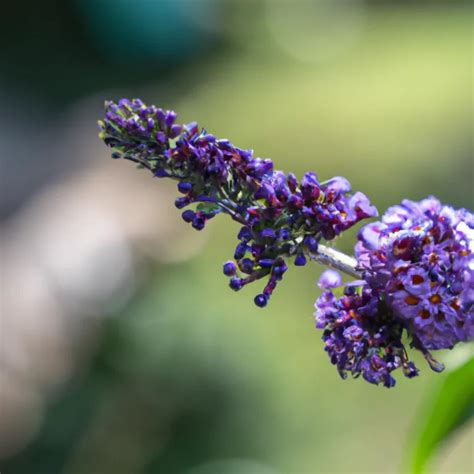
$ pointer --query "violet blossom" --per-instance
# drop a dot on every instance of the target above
(417, 266)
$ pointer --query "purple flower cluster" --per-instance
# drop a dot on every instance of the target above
(360, 337)
(288, 218)
(420, 256)
(281, 217)
(418, 266)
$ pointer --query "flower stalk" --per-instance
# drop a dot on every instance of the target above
(338, 260)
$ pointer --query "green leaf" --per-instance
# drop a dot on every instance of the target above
(451, 406)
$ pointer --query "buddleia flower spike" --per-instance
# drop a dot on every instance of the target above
(413, 269)
(281, 218)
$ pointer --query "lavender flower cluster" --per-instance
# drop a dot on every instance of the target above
(420, 257)
(360, 336)
(416, 265)
(281, 217)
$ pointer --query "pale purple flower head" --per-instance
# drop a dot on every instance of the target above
(418, 267)
(329, 279)
(420, 257)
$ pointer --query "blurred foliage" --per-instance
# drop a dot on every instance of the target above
(156, 398)
(450, 408)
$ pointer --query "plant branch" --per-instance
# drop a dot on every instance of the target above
(336, 259)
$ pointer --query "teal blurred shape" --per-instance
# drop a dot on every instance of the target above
(141, 30)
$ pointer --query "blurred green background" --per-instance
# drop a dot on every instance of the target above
(123, 351)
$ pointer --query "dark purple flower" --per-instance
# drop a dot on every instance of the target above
(310, 188)
(360, 337)
(235, 283)
(188, 215)
(184, 187)
(240, 251)
(182, 202)
(246, 265)
(230, 268)
(311, 243)
(198, 222)
(261, 300)
(268, 233)
(245, 234)
(300, 260)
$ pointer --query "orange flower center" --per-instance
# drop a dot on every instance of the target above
(456, 305)
(435, 299)
(424, 313)
(417, 279)
(412, 300)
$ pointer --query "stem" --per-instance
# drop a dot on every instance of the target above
(336, 259)
(433, 363)
(232, 214)
(139, 162)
